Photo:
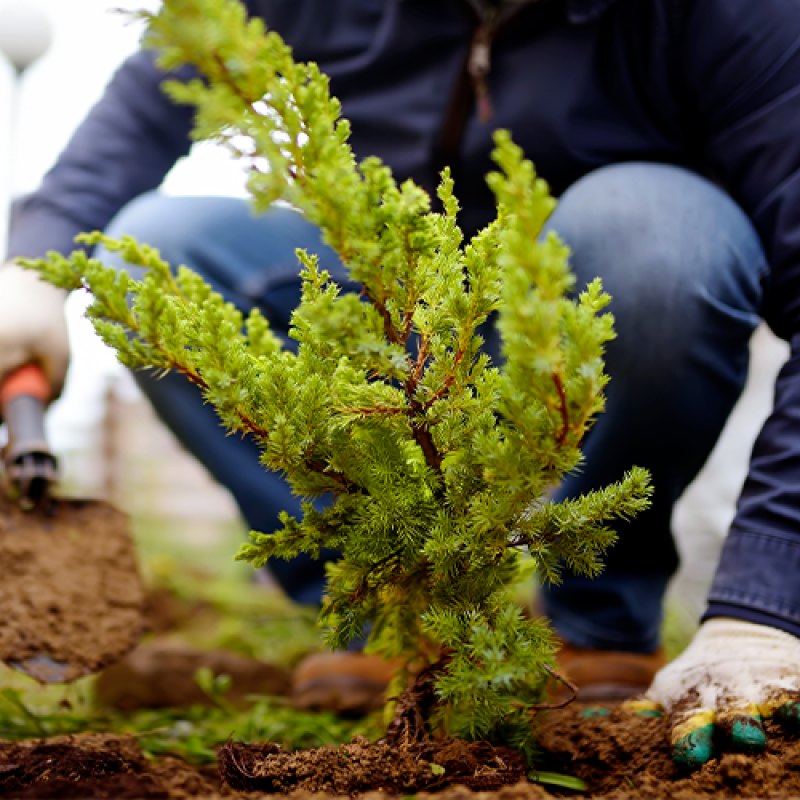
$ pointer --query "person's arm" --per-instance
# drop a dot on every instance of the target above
(741, 72)
(124, 147)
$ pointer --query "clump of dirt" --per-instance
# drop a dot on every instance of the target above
(93, 766)
(364, 766)
(71, 588)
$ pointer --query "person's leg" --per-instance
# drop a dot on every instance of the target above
(683, 265)
(251, 261)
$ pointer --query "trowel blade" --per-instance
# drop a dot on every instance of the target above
(43, 668)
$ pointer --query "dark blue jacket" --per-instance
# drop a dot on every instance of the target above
(712, 85)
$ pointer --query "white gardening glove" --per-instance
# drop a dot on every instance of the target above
(731, 676)
(33, 327)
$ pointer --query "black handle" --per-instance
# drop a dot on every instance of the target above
(30, 465)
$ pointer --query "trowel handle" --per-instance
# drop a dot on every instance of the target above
(28, 380)
(23, 398)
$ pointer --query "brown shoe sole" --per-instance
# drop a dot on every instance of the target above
(606, 674)
(345, 683)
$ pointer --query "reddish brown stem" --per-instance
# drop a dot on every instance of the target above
(422, 436)
(374, 410)
(562, 679)
(562, 397)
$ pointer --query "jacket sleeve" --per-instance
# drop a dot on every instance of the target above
(741, 64)
(124, 147)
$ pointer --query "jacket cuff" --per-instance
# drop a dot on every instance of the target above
(758, 580)
(35, 233)
(750, 615)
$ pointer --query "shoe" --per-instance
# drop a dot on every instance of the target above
(353, 684)
(161, 674)
(602, 675)
(350, 684)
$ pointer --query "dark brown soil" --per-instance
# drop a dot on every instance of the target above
(97, 765)
(620, 757)
(70, 589)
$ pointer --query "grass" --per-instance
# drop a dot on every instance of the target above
(32, 712)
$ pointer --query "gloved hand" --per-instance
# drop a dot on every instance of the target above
(731, 676)
(33, 327)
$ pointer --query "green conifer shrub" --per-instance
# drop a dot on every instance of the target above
(439, 462)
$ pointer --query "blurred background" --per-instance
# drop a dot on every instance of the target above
(108, 441)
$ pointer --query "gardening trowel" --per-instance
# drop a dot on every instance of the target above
(71, 598)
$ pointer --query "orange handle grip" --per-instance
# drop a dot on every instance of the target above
(27, 380)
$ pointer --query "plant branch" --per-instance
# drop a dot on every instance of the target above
(562, 398)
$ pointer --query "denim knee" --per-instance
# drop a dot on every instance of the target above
(683, 265)
(155, 220)
(676, 253)
(251, 259)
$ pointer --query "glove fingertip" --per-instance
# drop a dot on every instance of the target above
(693, 740)
(697, 748)
(745, 732)
(788, 716)
(643, 707)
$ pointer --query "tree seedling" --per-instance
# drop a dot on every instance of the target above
(437, 462)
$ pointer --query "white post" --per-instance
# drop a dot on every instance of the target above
(25, 36)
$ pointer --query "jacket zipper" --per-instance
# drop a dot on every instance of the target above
(473, 81)
(490, 21)
(478, 67)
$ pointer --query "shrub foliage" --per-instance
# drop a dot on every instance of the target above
(438, 461)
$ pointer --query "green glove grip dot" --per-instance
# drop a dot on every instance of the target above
(694, 749)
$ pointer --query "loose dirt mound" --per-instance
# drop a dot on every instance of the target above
(624, 756)
(94, 766)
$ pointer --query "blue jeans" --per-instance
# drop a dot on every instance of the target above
(684, 267)
(251, 261)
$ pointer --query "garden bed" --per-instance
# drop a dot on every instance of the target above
(170, 752)
(618, 756)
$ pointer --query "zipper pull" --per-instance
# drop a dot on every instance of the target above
(478, 67)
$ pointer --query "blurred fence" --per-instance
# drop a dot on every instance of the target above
(128, 457)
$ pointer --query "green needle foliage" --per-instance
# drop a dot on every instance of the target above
(439, 462)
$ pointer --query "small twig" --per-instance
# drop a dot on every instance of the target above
(562, 397)
(562, 679)
(373, 410)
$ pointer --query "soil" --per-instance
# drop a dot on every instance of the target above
(71, 598)
(618, 755)
(96, 765)
(71, 591)
(363, 766)
(623, 756)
